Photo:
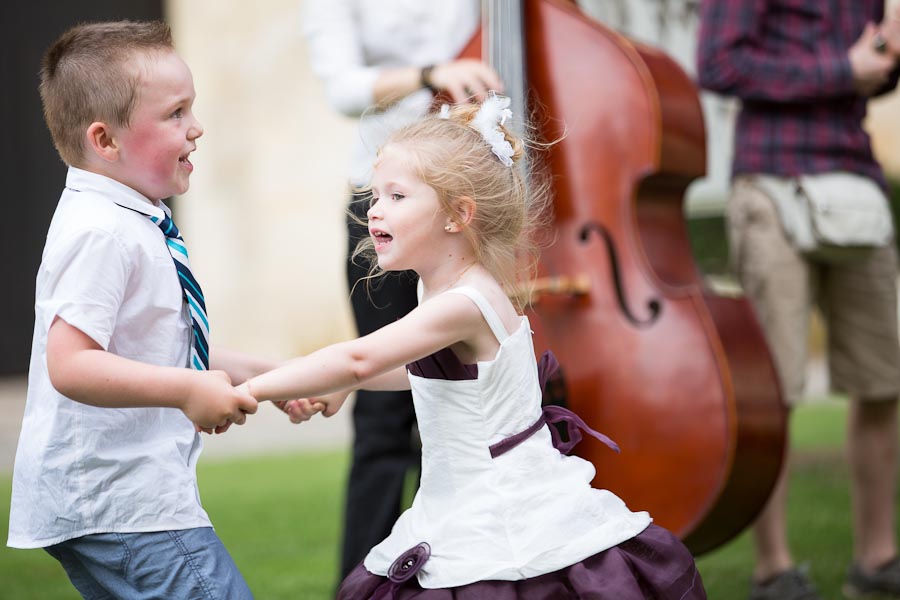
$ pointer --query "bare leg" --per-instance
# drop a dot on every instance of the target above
(773, 556)
(872, 455)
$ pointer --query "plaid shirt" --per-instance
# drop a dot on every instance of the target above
(787, 62)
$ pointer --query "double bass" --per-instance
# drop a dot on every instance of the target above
(677, 374)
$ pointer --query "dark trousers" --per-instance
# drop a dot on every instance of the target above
(384, 447)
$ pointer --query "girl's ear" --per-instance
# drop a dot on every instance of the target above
(101, 141)
(464, 212)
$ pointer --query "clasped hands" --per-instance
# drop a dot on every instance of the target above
(214, 404)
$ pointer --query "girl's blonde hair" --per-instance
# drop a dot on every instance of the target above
(453, 158)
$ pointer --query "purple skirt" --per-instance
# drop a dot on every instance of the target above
(653, 565)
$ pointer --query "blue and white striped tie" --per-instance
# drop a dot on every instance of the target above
(193, 295)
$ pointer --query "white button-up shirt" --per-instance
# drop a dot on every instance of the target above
(84, 469)
(350, 41)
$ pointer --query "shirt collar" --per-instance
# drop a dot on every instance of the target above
(79, 180)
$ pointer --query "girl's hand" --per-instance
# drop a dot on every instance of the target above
(304, 408)
(332, 402)
(300, 410)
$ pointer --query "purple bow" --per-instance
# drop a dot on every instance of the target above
(574, 426)
(547, 367)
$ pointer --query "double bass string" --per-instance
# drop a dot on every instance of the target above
(503, 45)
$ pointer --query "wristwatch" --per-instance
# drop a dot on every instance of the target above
(425, 79)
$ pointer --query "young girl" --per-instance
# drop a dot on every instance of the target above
(500, 512)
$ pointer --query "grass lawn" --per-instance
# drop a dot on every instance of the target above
(280, 516)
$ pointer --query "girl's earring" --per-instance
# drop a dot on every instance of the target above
(447, 228)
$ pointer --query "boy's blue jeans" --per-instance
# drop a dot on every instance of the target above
(190, 563)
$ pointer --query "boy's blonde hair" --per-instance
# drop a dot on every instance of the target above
(453, 158)
(86, 77)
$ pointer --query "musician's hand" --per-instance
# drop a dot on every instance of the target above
(466, 79)
(889, 30)
(871, 67)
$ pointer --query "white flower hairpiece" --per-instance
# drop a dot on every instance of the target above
(445, 111)
(494, 112)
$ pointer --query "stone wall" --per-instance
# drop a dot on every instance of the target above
(264, 218)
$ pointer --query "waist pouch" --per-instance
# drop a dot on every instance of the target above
(834, 215)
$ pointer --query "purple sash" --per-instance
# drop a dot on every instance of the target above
(547, 366)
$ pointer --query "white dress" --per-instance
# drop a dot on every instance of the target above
(527, 512)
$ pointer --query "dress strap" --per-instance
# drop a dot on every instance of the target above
(487, 311)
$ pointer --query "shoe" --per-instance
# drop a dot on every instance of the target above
(792, 584)
(883, 583)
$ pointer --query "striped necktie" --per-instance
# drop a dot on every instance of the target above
(193, 295)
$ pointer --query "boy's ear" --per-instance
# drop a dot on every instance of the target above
(101, 141)
(465, 212)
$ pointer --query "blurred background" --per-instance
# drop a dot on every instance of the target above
(264, 216)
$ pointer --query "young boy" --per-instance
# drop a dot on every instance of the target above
(105, 476)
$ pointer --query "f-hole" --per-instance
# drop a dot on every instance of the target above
(654, 307)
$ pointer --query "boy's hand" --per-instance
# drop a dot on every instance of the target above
(213, 404)
(210, 430)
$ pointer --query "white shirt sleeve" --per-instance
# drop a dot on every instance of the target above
(337, 55)
(83, 280)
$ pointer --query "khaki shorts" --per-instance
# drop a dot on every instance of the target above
(857, 300)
